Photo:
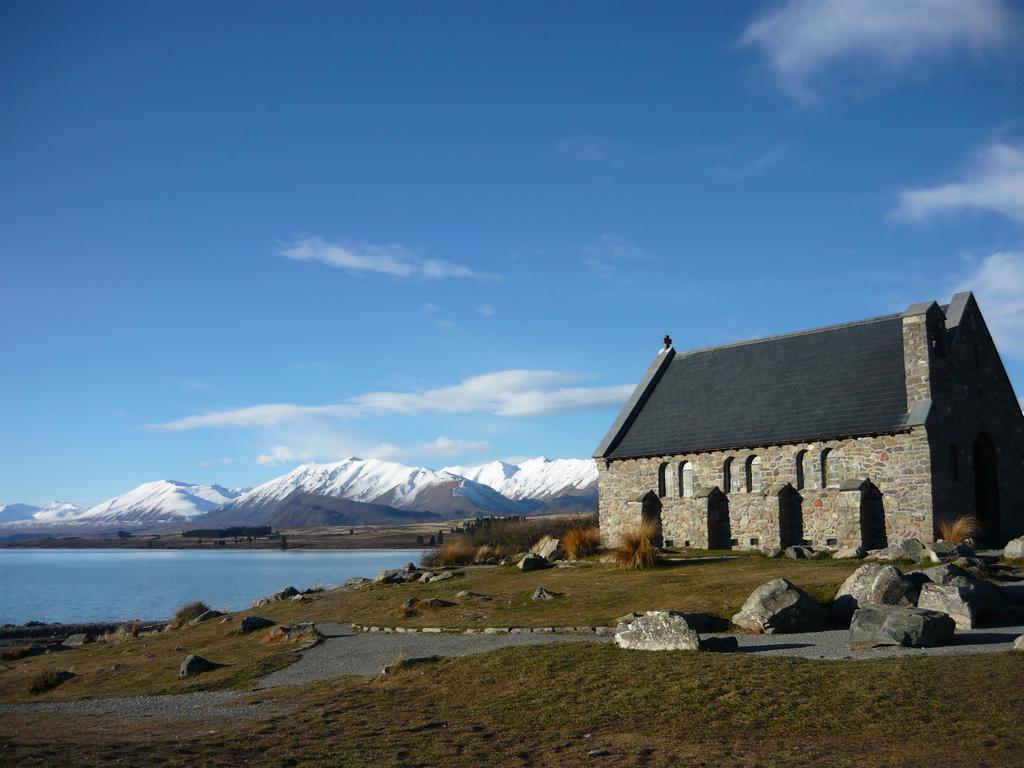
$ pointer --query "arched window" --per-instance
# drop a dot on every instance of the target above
(826, 468)
(662, 487)
(800, 456)
(686, 479)
(727, 475)
(753, 473)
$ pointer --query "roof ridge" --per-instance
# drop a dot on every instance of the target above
(790, 334)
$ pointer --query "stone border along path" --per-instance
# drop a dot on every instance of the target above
(344, 651)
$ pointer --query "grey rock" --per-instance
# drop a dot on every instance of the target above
(951, 600)
(848, 553)
(780, 606)
(628, 618)
(880, 625)
(253, 623)
(443, 576)
(548, 547)
(306, 632)
(357, 581)
(284, 594)
(984, 596)
(873, 584)
(533, 562)
(437, 602)
(598, 753)
(409, 661)
(196, 665)
(943, 551)
(76, 641)
(903, 549)
(410, 604)
(798, 553)
(1014, 549)
(205, 616)
(772, 552)
(466, 594)
(387, 576)
(544, 594)
(1018, 644)
(658, 631)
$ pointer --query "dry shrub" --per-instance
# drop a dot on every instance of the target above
(484, 553)
(458, 552)
(185, 614)
(47, 680)
(581, 542)
(636, 547)
(959, 530)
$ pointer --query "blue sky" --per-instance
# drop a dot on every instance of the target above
(234, 238)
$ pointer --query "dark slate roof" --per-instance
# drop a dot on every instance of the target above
(840, 381)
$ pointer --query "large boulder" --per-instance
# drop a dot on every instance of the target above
(196, 665)
(780, 606)
(880, 625)
(943, 551)
(984, 596)
(1014, 549)
(1018, 644)
(848, 553)
(658, 631)
(533, 562)
(77, 641)
(902, 549)
(798, 553)
(305, 633)
(548, 547)
(205, 616)
(950, 600)
(873, 584)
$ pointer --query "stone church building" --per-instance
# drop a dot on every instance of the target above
(850, 435)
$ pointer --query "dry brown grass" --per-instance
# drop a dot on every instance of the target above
(458, 552)
(47, 680)
(581, 542)
(186, 613)
(636, 548)
(959, 530)
(484, 553)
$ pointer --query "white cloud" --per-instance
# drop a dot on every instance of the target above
(367, 258)
(279, 454)
(994, 183)
(998, 284)
(216, 462)
(803, 37)
(197, 385)
(429, 307)
(486, 310)
(588, 149)
(512, 393)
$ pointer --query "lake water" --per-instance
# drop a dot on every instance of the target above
(76, 585)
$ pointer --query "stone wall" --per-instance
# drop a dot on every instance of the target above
(899, 465)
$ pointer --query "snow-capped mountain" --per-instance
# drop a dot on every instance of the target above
(372, 481)
(537, 479)
(162, 501)
(55, 510)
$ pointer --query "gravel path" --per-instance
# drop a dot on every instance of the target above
(345, 652)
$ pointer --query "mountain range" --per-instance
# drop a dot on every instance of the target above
(347, 492)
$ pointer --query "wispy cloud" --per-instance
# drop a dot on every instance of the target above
(389, 259)
(605, 256)
(196, 385)
(512, 393)
(279, 454)
(428, 307)
(994, 182)
(486, 310)
(216, 462)
(743, 170)
(601, 150)
(998, 283)
(804, 37)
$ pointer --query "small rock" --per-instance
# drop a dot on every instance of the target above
(466, 594)
(942, 551)
(1014, 549)
(772, 552)
(410, 661)
(387, 576)
(548, 547)
(437, 602)
(205, 616)
(76, 641)
(544, 594)
(780, 606)
(798, 553)
(284, 594)
(880, 625)
(196, 665)
(903, 549)
(628, 618)
(409, 568)
(533, 562)
(658, 631)
(444, 576)
(1018, 644)
(252, 623)
(848, 553)
(410, 604)
(598, 753)
(951, 600)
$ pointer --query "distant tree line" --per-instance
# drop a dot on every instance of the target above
(236, 532)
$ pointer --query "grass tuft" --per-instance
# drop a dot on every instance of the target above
(581, 542)
(47, 680)
(636, 548)
(186, 613)
(458, 552)
(960, 530)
